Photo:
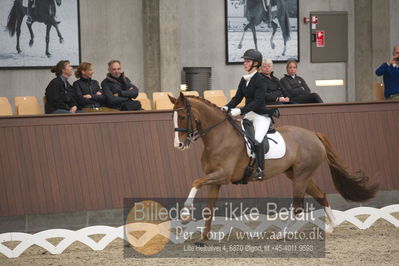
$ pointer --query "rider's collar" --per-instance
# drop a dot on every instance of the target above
(248, 77)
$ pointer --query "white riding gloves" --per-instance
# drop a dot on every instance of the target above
(224, 108)
(235, 112)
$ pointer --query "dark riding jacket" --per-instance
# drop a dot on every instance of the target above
(120, 87)
(254, 95)
(88, 86)
(59, 95)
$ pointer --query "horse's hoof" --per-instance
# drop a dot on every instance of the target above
(273, 46)
(199, 244)
(48, 55)
(239, 46)
(61, 40)
(19, 51)
(30, 43)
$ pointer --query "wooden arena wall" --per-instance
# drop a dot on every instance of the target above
(65, 163)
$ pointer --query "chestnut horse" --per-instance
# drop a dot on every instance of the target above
(224, 157)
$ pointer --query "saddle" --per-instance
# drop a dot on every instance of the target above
(272, 139)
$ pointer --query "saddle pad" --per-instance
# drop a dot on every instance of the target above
(277, 146)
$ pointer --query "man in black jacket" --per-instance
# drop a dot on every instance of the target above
(119, 90)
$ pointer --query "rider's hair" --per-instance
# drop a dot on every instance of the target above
(57, 69)
(84, 66)
(291, 61)
(112, 62)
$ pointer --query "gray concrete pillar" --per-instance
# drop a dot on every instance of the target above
(151, 47)
(161, 30)
(372, 41)
(169, 17)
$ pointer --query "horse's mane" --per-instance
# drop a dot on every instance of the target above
(214, 106)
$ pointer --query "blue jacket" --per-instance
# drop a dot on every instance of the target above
(391, 79)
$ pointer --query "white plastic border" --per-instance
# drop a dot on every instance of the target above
(112, 233)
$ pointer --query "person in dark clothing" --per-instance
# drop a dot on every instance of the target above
(59, 93)
(119, 90)
(253, 87)
(89, 95)
(295, 87)
(274, 92)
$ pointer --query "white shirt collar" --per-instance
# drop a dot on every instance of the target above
(248, 77)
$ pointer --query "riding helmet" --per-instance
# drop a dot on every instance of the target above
(254, 55)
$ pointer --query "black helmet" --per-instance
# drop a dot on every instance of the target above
(254, 55)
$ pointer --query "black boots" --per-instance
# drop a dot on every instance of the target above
(260, 160)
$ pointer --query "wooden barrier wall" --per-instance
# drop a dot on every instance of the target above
(62, 163)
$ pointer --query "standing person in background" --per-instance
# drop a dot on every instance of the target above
(119, 90)
(59, 93)
(390, 73)
(296, 88)
(274, 92)
(88, 93)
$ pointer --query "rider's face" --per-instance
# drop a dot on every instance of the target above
(248, 64)
(291, 69)
(115, 70)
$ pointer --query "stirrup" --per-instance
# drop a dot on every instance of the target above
(258, 174)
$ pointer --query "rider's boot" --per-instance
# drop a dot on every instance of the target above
(260, 161)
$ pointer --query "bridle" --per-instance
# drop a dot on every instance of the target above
(195, 133)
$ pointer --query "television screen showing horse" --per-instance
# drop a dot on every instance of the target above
(270, 26)
(39, 33)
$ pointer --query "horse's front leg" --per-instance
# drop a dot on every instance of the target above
(243, 34)
(58, 33)
(254, 35)
(19, 23)
(32, 36)
(213, 194)
(216, 177)
(48, 28)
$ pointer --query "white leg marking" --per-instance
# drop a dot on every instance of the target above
(330, 216)
(191, 196)
(177, 141)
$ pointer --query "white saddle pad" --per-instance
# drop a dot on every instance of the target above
(276, 143)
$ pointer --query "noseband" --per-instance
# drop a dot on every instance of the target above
(194, 133)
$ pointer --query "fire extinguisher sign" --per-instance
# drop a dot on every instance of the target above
(320, 38)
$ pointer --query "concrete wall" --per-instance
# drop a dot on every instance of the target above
(109, 30)
(203, 45)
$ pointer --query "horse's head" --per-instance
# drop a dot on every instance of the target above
(185, 122)
(58, 2)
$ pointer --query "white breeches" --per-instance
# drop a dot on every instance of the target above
(261, 124)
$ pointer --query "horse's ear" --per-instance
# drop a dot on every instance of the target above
(181, 95)
(172, 99)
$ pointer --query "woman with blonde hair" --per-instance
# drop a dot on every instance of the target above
(88, 93)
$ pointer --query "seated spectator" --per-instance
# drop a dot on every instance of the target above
(390, 73)
(88, 93)
(119, 90)
(296, 88)
(274, 92)
(59, 93)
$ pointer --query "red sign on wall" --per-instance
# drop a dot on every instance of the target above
(320, 38)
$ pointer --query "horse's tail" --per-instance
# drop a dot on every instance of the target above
(352, 186)
(13, 17)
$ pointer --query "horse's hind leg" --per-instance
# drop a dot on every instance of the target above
(321, 198)
(58, 33)
(274, 26)
(254, 35)
(48, 28)
(32, 36)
